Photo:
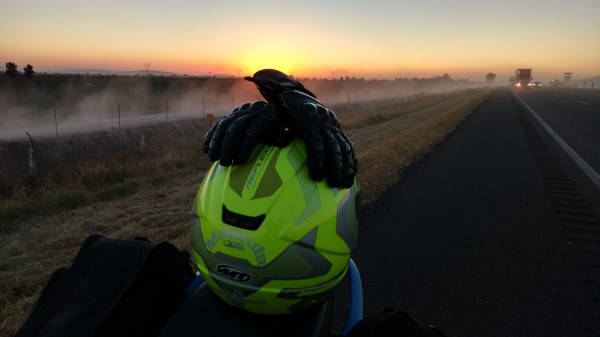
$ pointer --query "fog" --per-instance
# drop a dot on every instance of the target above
(45, 106)
(50, 106)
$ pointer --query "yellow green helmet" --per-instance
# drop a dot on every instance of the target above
(269, 239)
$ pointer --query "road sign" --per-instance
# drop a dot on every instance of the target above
(210, 118)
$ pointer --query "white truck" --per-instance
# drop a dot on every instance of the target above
(523, 78)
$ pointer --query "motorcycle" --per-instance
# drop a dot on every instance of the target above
(202, 313)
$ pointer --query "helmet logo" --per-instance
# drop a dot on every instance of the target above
(259, 167)
(233, 273)
(234, 244)
(237, 239)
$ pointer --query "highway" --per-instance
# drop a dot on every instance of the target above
(574, 118)
(496, 233)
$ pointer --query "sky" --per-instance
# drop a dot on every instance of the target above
(371, 39)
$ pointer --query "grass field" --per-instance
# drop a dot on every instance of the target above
(45, 217)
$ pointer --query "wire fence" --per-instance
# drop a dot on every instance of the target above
(62, 122)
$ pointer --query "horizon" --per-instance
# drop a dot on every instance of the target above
(162, 73)
(385, 40)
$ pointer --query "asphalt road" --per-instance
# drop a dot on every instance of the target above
(496, 233)
(575, 118)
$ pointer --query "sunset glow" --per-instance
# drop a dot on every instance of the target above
(337, 38)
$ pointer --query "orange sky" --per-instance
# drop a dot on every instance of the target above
(465, 38)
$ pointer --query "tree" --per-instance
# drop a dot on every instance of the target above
(490, 77)
(11, 69)
(29, 71)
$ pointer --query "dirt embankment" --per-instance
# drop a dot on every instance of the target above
(55, 153)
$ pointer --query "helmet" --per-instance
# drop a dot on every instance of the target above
(269, 239)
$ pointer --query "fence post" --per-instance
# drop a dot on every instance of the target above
(32, 161)
(166, 118)
(142, 141)
(119, 107)
(55, 123)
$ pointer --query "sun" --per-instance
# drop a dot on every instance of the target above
(270, 58)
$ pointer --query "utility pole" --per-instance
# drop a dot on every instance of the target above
(147, 67)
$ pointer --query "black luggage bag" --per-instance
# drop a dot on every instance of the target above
(113, 288)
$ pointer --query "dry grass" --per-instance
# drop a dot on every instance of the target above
(88, 181)
(158, 201)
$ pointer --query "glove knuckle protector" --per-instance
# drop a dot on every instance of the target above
(233, 136)
(246, 106)
(322, 114)
(310, 109)
(207, 138)
(253, 134)
(334, 159)
(315, 152)
(214, 146)
(348, 160)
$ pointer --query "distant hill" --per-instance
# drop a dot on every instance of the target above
(141, 72)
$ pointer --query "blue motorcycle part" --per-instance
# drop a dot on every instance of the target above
(355, 310)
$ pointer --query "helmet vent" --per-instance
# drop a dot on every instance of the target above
(242, 221)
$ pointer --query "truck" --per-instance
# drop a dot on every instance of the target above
(523, 78)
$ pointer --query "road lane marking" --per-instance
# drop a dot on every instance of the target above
(582, 102)
(583, 165)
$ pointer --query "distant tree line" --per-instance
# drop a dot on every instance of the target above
(12, 70)
(434, 79)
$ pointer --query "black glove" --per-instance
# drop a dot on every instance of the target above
(330, 154)
(232, 139)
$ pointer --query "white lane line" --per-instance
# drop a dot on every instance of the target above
(582, 102)
(556, 96)
(583, 165)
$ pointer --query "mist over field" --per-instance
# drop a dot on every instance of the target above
(52, 104)
(31, 103)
